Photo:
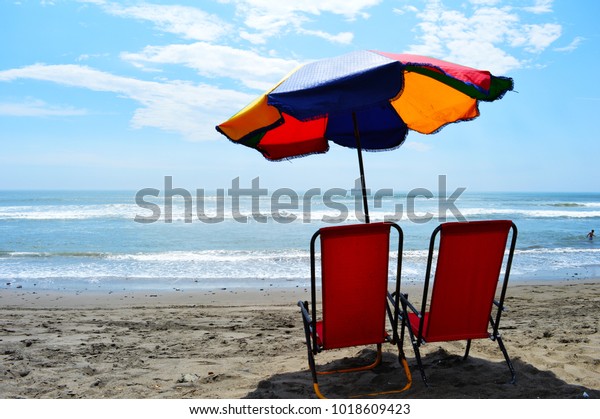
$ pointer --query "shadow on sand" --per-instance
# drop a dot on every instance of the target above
(448, 375)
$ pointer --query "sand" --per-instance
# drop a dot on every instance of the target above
(235, 344)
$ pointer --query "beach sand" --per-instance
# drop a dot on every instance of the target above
(234, 344)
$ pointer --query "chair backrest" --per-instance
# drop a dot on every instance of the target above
(354, 277)
(468, 268)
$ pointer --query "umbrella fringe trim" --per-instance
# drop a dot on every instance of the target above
(265, 154)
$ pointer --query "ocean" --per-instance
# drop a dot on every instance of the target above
(135, 240)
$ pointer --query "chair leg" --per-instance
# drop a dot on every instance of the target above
(420, 363)
(513, 374)
(311, 357)
(412, 337)
(313, 371)
(467, 350)
(415, 345)
(404, 363)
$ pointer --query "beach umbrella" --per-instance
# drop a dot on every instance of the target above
(367, 100)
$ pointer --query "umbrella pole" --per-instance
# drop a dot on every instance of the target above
(361, 168)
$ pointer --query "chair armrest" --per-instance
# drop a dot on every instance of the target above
(503, 308)
(309, 330)
(304, 312)
(393, 316)
(406, 303)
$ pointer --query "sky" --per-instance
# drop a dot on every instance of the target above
(101, 94)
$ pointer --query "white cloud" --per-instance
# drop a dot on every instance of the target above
(572, 46)
(539, 37)
(267, 18)
(350, 9)
(484, 2)
(189, 109)
(540, 6)
(251, 69)
(416, 146)
(483, 36)
(339, 38)
(85, 57)
(38, 108)
(187, 22)
(405, 9)
(263, 18)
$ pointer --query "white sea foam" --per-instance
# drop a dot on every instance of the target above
(251, 267)
(235, 256)
(529, 213)
(67, 212)
(314, 213)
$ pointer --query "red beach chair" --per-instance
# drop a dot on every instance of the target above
(469, 264)
(354, 295)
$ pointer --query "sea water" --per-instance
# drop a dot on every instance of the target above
(94, 239)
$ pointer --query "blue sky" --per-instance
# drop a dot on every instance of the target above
(117, 95)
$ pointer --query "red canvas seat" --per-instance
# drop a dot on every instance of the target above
(354, 292)
(469, 262)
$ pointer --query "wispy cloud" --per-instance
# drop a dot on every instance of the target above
(540, 6)
(38, 108)
(572, 46)
(186, 22)
(405, 9)
(85, 57)
(339, 38)
(248, 67)
(540, 37)
(191, 110)
(262, 19)
(416, 146)
(485, 35)
(267, 18)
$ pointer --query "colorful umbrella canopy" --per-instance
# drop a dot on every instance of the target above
(365, 100)
(389, 94)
